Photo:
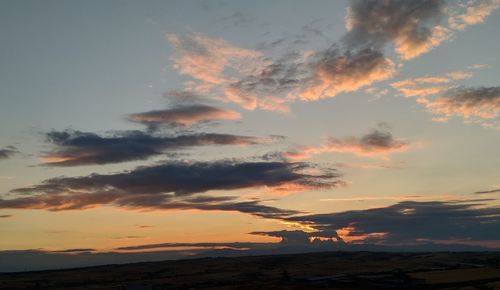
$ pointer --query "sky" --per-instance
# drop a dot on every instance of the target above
(189, 126)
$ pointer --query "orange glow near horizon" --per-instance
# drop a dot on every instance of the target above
(345, 234)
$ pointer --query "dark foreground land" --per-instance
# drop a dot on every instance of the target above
(329, 270)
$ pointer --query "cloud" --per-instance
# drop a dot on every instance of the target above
(245, 77)
(144, 226)
(413, 87)
(475, 13)
(298, 236)
(184, 116)
(421, 80)
(468, 103)
(334, 72)
(413, 26)
(8, 152)
(459, 75)
(376, 143)
(487, 191)
(128, 238)
(73, 148)
(5, 216)
(185, 178)
(174, 185)
(70, 251)
(356, 61)
(205, 58)
(235, 245)
(143, 202)
(413, 222)
(318, 75)
(423, 92)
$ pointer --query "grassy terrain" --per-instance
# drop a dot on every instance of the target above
(330, 270)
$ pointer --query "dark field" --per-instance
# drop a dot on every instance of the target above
(329, 270)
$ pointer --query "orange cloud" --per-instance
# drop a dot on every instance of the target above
(205, 58)
(412, 87)
(459, 75)
(184, 115)
(349, 235)
(421, 92)
(337, 73)
(242, 98)
(476, 13)
(408, 46)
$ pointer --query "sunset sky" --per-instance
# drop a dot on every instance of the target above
(135, 123)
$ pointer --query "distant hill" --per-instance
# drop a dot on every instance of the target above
(321, 270)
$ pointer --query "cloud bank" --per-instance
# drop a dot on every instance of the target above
(73, 148)
(411, 222)
(175, 185)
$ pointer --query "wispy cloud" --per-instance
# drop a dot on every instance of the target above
(205, 58)
(475, 103)
(475, 12)
(184, 116)
(378, 142)
(488, 191)
(430, 85)
(8, 152)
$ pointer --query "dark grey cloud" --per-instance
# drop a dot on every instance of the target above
(79, 201)
(8, 152)
(413, 222)
(158, 202)
(487, 191)
(413, 26)
(235, 245)
(127, 237)
(475, 102)
(73, 148)
(184, 178)
(381, 140)
(74, 250)
(186, 115)
(174, 185)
